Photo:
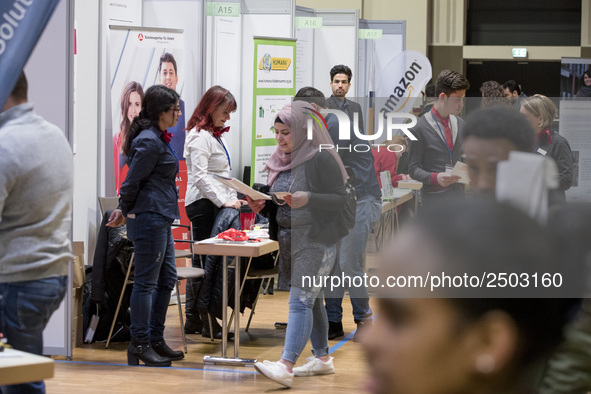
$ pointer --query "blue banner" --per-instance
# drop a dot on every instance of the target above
(21, 24)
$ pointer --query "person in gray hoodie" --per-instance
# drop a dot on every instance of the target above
(36, 178)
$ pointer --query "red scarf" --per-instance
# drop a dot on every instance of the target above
(547, 134)
(166, 136)
(218, 131)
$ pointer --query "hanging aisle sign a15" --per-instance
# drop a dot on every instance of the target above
(223, 9)
(402, 80)
(21, 25)
(273, 88)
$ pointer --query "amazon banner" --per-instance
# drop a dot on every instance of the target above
(21, 25)
(274, 87)
(401, 83)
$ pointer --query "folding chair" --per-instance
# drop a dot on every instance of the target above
(254, 274)
(187, 273)
(105, 204)
(108, 203)
(125, 283)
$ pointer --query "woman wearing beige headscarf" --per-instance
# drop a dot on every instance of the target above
(304, 221)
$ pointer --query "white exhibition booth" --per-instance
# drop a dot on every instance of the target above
(217, 48)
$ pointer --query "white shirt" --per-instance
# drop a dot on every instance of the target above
(205, 156)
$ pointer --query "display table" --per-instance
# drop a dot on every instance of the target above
(18, 367)
(214, 247)
(415, 186)
(389, 217)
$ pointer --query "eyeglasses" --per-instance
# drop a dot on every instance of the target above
(177, 109)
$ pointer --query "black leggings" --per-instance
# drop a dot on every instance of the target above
(202, 214)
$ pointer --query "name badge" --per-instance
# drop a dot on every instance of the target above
(542, 152)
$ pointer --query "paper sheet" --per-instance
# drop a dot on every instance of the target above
(281, 195)
(461, 170)
(241, 187)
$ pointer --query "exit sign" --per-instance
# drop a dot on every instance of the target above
(519, 52)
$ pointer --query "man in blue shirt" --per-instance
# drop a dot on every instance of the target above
(357, 157)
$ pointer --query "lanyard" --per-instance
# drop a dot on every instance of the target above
(225, 150)
(177, 158)
(443, 136)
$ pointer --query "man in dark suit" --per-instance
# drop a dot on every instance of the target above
(340, 82)
(439, 139)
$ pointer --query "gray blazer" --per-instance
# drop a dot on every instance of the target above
(430, 154)
(334, 103)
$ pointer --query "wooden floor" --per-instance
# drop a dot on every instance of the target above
(95, 369)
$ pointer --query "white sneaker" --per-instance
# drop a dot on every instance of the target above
(276, 371)
(315, 366)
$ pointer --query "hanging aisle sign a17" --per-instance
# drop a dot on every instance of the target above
(21, 25)
(402, 80)
(370, 34)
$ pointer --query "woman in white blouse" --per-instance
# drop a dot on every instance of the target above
(207, 154)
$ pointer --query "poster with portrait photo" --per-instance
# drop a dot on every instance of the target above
(139, 58)
(574, 121)
(575, 78)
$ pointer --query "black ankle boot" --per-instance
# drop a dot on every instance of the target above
(144, 352)
(335, 330)
(217, 329)
(165, 351)
(193, 326)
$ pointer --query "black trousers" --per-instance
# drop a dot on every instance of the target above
(202, 214)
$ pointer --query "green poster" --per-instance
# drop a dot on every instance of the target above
(273, 88)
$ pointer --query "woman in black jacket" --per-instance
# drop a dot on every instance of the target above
(540, 111)
(309, 186)
(149, 204)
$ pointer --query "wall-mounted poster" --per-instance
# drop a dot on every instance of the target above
(274, 86)
(574, 121)
(140, 58)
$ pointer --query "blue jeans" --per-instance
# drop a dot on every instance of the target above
(25, 309)
(351, 262)
(155, 275)
(307, 317)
